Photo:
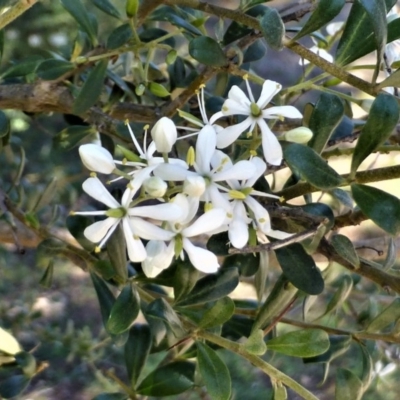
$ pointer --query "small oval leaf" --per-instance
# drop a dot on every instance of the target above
(272, 28)
(388, 316)
(219, 313)
(344, 247)
(53, 69)
(207, 51)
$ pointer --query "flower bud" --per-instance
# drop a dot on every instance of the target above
(131, 8)
(194, 186)
(299, 135)
(155, 186)
(96, 158)
(164, 134)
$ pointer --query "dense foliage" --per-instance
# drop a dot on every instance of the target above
(207, 170)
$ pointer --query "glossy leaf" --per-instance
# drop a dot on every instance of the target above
(388, 316)
(111, 396)
(212, 287)
(13, 386)
(53, 69)
(168, 380)
(137, 349)
(116, 250)
(214, 372)
(219, 313)
(260, 279)
(300, 269)
(124, 311)
(105, 297)
(185, 278)
(91, 89)
(367, 366)
(76, 224)
(107, 7)
(344, 247)
(358, 31)
(301, 343)
(338, 345)
(219, 244)
(71, 137)
(207, 51)
(381, 122)
(23, 68)
(311, 167)
(247, 264)
(381, 207)
(78, 11)
(320, 210)
(272, 28)
(325, 117)
(326, 10)
(348, 385)
(119, 36)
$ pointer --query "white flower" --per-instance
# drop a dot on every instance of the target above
(181, 230)
(134, 227)
(164, 134)
(239, 103)
(155, 186)
(194, 186)
(158, 258)
(96, 158)
(319, 52)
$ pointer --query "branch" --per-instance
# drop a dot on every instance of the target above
(15, 11)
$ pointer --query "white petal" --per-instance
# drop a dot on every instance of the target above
(194, 186)
(98, 230)
(220, 160)
(217, 199)
(237, 94)
(279, 234)
(260, 169)
(172, 172)
(202, 259)
(182, 202)
(261, 215)
(96, 158)
(134, 246)
(205, 147)
(216, 117)
(282, 111)
(228, 135)
(164, 134)
(238, 233)
(269, 90)
(137, 182)
(159, 257)
(271, 146)
(241, 170)
(94, 188)
(148, 231)
(232, 107)
(211, 220)
(162, 212)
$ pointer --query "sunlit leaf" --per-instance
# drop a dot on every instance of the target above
(219, 313)
(344, 247)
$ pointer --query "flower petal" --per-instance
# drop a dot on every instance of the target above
(135, 247)
(211, 220)
(96, 158)
(159, 257)
(162, 212)
(172, 172)
(282, 111)
(232, 107)
(228, 135)
(205, 147)
(261, 215)
(201, 259)
(271, 146)
(98, 230)
(241, 170)
(148, 231)
(269, 90)
(237, 94)
(238, 233)
(260, 169)
(94, 188)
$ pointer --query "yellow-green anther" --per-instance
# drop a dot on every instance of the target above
(255, 110)
(261, 220)
(229, 215)
(116, 212)
(190, 156)
(208, 207)
(237, 195)
(97, 249)
(246, 191)
(178, 245)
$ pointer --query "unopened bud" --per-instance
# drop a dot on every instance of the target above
(164, 135)
(155, 186)
(171, 57)
(96, 158)
(194, 186)
(131, 8)
(300, 135)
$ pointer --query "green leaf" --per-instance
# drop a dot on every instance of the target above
(168, 380)
(207, 51)
(185, 278)
(27, 362)
(13, 386)
(79, 13)
(116, 250)
(367, 366)
(344, 247)
(53, 68)
(137, 349)
(325, 117)
(246, 263)
(111, 396)
(219, 244)
(326, 10)
(107, 7)
(255, 343)
(119, 36)
(214, 372)
(72, 136)
(280, 297)
(300, 269)
(311, 167)
(301, 343)
(105, 296)
(381, 207)
(91, 89)
(348, 385)
(212, 287)
(47, 278)
(219, 313)
(5, 127)
(338, 344)
(76, 224)
(357, 34)
(388, 316)
(160, 309)
(158, 89)
(22, 68)
(272, 28)
(124, 311)
(381, 122)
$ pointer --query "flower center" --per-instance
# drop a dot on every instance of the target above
(255, 110)
(116, 212)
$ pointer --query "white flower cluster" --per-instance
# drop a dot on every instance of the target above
(208, 177)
